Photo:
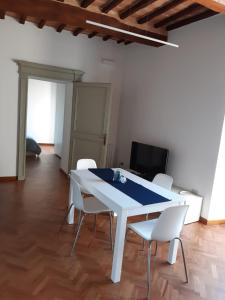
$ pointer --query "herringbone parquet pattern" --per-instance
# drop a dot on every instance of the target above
(35, 261)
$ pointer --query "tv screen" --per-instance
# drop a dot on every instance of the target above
(148, 160)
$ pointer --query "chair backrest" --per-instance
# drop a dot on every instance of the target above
(78, 200)
(163, 180)
(170, 223)
(86, 163)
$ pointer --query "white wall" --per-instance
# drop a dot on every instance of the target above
(46, 46)
(60, 94)
(175, 98)
(217, 205)
(41, 108)
(171, 97)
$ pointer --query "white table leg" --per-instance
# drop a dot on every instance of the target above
(172, 255)
(70, 218)
(119, 247)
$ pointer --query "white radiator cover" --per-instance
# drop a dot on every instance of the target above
(195, 204)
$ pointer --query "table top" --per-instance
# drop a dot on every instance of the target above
(116, 199)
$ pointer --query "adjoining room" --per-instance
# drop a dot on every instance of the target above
(45, 120)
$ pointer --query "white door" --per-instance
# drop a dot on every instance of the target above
(90, 125)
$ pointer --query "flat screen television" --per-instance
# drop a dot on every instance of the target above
(148, 160)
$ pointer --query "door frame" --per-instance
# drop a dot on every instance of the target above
(28, 70)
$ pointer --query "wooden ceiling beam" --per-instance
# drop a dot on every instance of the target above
(134, 7)
(92, 34)
(60, 27)
(160, 10)
(180, 14)
(110, 5)
(106, 37)
(22, 19)
(73, 16)
(206, 14)
(216, 5)
(41, 24)
(77, 31)
(2, 14)
(86, 3)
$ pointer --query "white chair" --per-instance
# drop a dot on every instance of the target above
(164, 229)
(84, 164)
(163, 180)
(87, 206)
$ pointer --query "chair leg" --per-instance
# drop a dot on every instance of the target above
(79, 217)
(143, 242)
(149, 269)
(184, 260)
(111, 230)
(65, 217)
(126, 234)
(156, 248)
(77, 233)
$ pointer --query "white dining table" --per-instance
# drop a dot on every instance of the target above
(124, 206)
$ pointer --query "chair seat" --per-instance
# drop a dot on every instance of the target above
(144, 229)
(94, 206)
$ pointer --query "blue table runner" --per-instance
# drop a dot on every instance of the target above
(132, 189)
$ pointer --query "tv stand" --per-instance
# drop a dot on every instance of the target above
(142, 175)
(133, 172)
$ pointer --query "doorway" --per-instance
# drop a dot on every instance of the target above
(87, 116)
(28, 70)
(45, 129)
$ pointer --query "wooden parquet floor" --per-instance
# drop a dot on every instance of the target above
(35, 261)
